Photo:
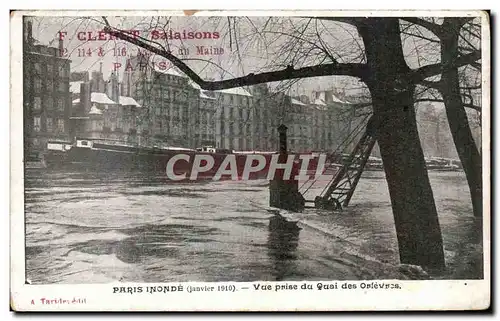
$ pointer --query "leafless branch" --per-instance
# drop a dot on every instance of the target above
(433, 27)
(348, 69)
(430, 70)
(477, 108)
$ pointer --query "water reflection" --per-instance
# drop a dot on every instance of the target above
(282, 245)
(102, 227)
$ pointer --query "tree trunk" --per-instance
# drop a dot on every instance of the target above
(437, 134)
(457, 117)
(414, 210)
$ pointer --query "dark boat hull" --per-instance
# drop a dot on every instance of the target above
(155, 161)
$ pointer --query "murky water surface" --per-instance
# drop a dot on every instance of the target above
(97, 228)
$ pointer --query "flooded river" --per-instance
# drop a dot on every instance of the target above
(98, 228)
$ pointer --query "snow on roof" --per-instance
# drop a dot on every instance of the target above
(74, 86)
(128, 101)
(169, 71)
(235, 91)
(101, 98)
(194, 85)
(319, 101)
(297, 102)
(204, 95)
(95, 111)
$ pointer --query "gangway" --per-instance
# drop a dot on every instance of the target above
(338, 192)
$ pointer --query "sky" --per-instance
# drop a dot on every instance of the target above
(246, 49)
(249, 45)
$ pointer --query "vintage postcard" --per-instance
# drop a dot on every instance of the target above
(250, 160)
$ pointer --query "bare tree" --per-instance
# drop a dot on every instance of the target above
(391, 82)
(454, 36)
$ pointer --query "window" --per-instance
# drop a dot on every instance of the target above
(38, 103)
(61, 71)
(119, 124)
(49, 84)
(49, 124)
(231, 99)
(50, 69)
(38, 85)
(49, 103)
(60, 104)
(36, 124)
(157, 111)
(62, 86)
(38, 68)
(60, 125)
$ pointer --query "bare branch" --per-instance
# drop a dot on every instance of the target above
(341, 69)
(476, 65)
(431, 84)
(430, 70)
(420, 36)
(355, 21)
(475, 107)
(433, 27)
(441, 101)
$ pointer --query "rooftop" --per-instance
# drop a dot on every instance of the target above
(319, 101)
(297, 102)
(102, 98)
(74, 86)
(128, 101)
(170, 71)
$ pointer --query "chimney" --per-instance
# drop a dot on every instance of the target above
(113, 90)
(85, 97)
(61, 47)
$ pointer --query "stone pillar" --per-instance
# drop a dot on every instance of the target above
(285, 194)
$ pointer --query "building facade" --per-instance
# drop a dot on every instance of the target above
(171, 103)
(46, 95)
(205, 132)
(163, 107)
(233, 119)
(105, 115)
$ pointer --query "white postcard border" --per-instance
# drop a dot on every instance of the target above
(412, 295)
